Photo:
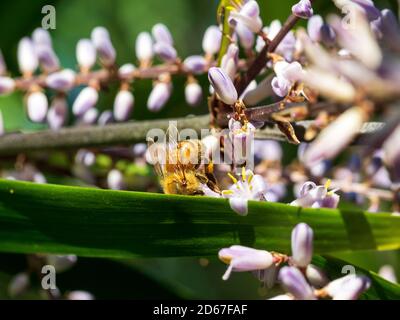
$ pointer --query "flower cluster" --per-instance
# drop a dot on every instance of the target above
(297, 276)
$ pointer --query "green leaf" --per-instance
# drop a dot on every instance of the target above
(380, 289)
(104, 223)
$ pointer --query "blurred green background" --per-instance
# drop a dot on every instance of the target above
(187, 20)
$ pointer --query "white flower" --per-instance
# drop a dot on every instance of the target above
(248, 187)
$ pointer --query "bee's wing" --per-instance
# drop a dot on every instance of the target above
(154, 156)
(172, 135)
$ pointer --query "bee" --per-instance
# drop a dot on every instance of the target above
(182, 166)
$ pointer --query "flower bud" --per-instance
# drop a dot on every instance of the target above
(159, 96)
(27, 58)
(165, 51)
(7, 85)
(86, 100)
(328, 35)
(335, 137)
(123, 105)
(126, 70)
(316, 276)
(44, 50)
(352, 288)
(294, 282)
(302, 245)
(262, 91)
(242, 259)
(90, 116)
(282, 297)
(139, 149)
(303, 9)
(280, 86)
(246, 37)
(222, 85)
(115, 180)
(61, 263)
(85, 54)
(58, 113)
(195, 64)
(144, 47)
(387, 272)
(80, 295)
(39, 177)
(47, 58)
(105, 118)
(230, 61)
(161, 33)
(61, 81)
(314, 26)
(85, 157)
(41, 36)
(37, 106)
(212, 40)
(390, 29)
(102, 42)
(193, 93)
(249, 16)
(18, 284)
(329, 85)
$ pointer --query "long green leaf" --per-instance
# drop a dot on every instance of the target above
(104, 223)
(380, 289)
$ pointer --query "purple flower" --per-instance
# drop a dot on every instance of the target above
(246, 36)
(335, 137)
(27, 57)
(161, 33)
(62, 81)
(249, 16)
(193, 93)
(102, 42)
(105, 118)
(286, 75)
(313, 196)
(144, 47)
(159, 96)
(241, 259)
(222, 85)
(349, 287)
(115, 180)
(302, 245)
(85, 54)
(58, 113)
(295, 283)
(165, 51)
(7, 85)
(86, 100)
(123, 105)
(303, 9)
(314, 26)
(195, 64)
(212, 40)
(37, 105)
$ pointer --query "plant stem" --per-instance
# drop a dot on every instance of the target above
(128, 133)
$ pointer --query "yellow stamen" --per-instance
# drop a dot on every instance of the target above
(328, 184)
(243, 174)
(250, 178)
(233, 178)
(227, 192)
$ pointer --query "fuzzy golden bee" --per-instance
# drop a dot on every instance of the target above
(181, 167)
